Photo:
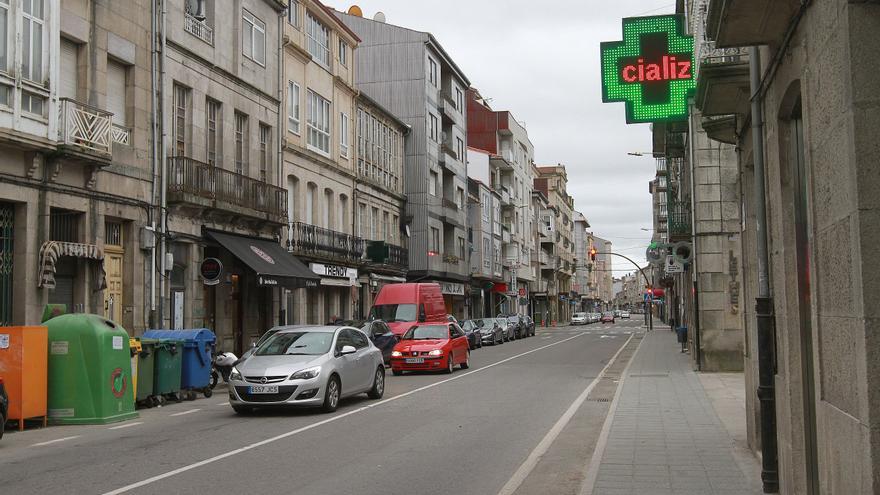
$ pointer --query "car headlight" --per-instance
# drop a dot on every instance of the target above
(396, 354)
(306, 374)
(435, 352)
(235, 374)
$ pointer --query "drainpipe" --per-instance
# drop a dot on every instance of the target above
(163, 187)
(154, 122)
(698, 346)
(763, 303)
(280, 179)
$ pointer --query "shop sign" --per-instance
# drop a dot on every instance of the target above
(451, 288)
(210, 270)
(651, 70)
(335, 271)
(522, 292)
(265, 281)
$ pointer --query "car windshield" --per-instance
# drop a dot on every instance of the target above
(296, 344)
(513, 319)
(427, 332)
(609, 314)
(484, 322)
(394, 312)
(579, 315)
(469, 325)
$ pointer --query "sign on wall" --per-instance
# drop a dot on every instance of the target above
(651, 70)
(334, 271)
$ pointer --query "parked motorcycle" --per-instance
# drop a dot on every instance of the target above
(221, 366)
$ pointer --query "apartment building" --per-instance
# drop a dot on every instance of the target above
(75, 168)
(328, 216)
(409, 73)
(511, 159)
(489, 290)
(604, 272)
(552, 182)
(582, 263)
(545, 292)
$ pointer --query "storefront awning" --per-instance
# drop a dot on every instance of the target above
(52, 250)
(339, 282)
(274, 266)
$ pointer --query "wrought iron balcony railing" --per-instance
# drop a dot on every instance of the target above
(398, 256)
(199, 179)
(316, 241)
(198, 29)
(711, 55)
(679, 218)
(85, 127)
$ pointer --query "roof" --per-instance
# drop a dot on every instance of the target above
(366, 97)
(332, 13)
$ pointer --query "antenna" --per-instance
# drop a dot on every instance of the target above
(355, 11)
(379, 17)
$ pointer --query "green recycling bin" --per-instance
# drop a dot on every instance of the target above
(146, 369)
(167, 369)
(90, 375)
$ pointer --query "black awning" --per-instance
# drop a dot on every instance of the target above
(274, 266)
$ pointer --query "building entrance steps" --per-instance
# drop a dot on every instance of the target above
(672, 431)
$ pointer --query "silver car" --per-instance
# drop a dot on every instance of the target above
(308, 366)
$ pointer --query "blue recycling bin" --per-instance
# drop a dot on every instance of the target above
(198, 351)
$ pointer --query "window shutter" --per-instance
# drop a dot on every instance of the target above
(67, 81)
(116, 91)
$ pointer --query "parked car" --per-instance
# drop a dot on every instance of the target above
(472, 332)
(608, 317)
(530, 325)
(256, 344)
(595, 317)
(452, 319)
(404, 305)
(579, 319)
(431, 347)
(380, 334)
(4, 406)
(306, 365)
(507, 329)
(624, 314)
(515, 325)
(490, 331)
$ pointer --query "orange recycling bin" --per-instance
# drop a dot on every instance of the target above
(23, 365)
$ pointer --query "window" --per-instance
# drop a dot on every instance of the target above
(363, 221)
(325, 209)
(241, 131)
(343, 135)
(318, 123)
(486, 254)
(4, 34)
(459, 149)
(293, 13)
(461, 248)
(32, 41)
(434, 241)
(432, 71)
(68, 76)
(459, 99)
(484, 207)
(432, 183)
(459, 196)
(253, 37)
(342, 213)
(319, 41)
(310, 203)
(293, 106)
(212, 116)
(181, 102)
(343, 53)
(31, 103)
(116, 91)
(265, 152)
(64, 225)
(432, 128)
(386, 227)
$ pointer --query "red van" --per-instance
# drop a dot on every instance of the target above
(405, 305)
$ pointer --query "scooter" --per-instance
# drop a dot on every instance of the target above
(222, 366)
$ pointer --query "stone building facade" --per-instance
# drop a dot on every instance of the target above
(552, 182)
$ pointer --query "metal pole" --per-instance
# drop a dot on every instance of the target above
(763, 303)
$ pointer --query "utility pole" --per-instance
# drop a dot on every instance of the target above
(648, 283)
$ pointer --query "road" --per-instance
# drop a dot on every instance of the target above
(519, 418)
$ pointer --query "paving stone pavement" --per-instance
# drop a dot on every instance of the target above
(665, 436)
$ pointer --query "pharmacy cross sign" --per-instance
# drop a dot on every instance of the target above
(651, 70)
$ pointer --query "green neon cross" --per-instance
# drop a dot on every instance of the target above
(648, 39)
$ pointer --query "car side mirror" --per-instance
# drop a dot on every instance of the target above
(347, 349)
(253, 344)
(422, 316)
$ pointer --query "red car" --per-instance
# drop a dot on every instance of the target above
(431, 347)
(607, 317)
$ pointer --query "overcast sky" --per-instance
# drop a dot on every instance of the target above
(542, 64)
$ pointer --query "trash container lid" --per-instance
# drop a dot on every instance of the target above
(190, 336)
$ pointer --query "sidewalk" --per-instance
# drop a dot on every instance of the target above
(666, 437)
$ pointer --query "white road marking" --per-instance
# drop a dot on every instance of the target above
(544, 445)
(50, 442)
(185, 412)
(608, 336)
(297, 431)
(126, 425)
(222, 403)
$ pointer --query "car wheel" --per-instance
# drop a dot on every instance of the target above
(243, 410)
(450, 363)
(396, 372)
(467, 362)
(378, 389)
(331, 395)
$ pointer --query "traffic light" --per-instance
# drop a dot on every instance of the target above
(592, 254)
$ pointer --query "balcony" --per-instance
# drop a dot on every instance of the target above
(505, 196)
(749, 22)
(448, 203)
(215, 190)
(679, 222)
(448, 110)
(398, 256)
(723, 84)
(451, 259)
(504, 161)
(722, 128)
(84, 131)
(546, 260)
(121, 135)
(310, 240)
(661, 166)
(198, 29)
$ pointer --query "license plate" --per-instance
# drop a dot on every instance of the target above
(415, 360)
(263, 389)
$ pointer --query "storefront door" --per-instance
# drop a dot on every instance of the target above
(7, 225)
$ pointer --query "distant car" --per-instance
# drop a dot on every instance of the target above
(508, 330)
(579, 319)
(624, 314)
(308, 365)
(472, 332)
(514, 322)
(617, 313)
(608, 317)
(490, 331)
(530, 325)
(595, 317)
(431, 347)
(4, 406)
